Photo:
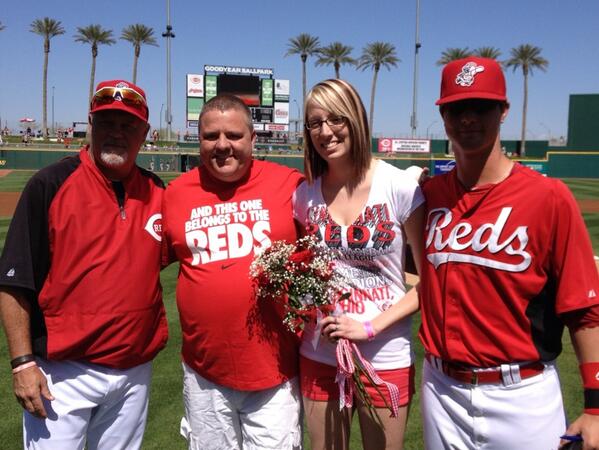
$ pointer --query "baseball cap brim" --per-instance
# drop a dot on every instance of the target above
(471, 95)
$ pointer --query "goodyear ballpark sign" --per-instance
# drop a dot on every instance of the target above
(239, 70)
(393, 145)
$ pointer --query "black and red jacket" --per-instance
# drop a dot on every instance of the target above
(86, 253)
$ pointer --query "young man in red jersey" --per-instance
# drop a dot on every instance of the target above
(508, 262)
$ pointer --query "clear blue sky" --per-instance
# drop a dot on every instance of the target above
(255, 34)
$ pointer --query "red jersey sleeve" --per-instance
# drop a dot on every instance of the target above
(576, 277)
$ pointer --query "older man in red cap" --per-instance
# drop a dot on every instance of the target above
(508, 263)
(80, 295)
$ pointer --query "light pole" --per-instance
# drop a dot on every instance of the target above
(53, 123)
(548, 130)
(429, 127)
(298, 117)
(160, 129)
(413, 118)
(168, 35)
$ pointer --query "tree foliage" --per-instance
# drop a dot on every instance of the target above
(335, 54)
(374, 56)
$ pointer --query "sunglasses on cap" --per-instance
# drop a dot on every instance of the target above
(110, 94)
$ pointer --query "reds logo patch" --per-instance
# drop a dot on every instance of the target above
(154, 226)
(466, 77)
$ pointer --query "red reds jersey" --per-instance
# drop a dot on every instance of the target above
(86, 253)
(502, 261)
(214, 229)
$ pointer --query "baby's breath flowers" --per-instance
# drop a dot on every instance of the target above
(300, 276)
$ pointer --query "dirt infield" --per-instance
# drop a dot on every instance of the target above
(4, 172)
(588, 206)
(8, 202)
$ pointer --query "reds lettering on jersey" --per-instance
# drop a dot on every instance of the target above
(227, 230)
(495, 246)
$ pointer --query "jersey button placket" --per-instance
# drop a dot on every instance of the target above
(452, 313)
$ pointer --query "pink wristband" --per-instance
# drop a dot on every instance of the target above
(369, 330)
(24, 366)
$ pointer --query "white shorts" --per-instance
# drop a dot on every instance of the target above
(93, 406)
(524, 415)
(219, 418)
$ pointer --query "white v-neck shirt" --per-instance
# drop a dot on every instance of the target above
(372, 256)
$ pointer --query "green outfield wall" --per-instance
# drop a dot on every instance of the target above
(582, 122)
(559, 164)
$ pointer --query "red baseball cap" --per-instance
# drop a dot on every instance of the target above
(121, 95)
(472, 77)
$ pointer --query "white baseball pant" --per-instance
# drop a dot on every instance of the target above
(93, 406)
(528, 414)
(219, 418)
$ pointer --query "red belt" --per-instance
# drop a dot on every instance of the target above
(471, 376)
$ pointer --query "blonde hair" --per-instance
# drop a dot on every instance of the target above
(340, 98)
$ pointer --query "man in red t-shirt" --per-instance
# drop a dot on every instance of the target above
(239, 360)
(508, 262)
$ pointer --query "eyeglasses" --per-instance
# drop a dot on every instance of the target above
(334, 123)
(128, 96)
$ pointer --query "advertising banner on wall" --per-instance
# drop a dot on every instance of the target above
(276, 127)
(443, 166)
(395, 145)
(210, 86)
(282, 90)
(539, 166)
(195, 85)
(194, 106)
(281, 112)
(267, 92)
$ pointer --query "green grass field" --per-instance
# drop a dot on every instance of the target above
(166, 402)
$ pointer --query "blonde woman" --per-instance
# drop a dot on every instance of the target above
(366, 209)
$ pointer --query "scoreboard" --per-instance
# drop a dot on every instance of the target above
(266, 97)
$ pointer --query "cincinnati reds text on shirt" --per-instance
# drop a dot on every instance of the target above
(227, 230)
(358, 245)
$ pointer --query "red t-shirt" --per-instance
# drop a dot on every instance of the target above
(213, 229)
(501, 263)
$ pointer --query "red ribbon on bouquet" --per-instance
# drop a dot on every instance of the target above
(346, 352)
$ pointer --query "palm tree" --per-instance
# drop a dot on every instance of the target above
(335, 54)
(487, 52)
(377, 55)
(453, 53)
(47, 28)
(304, 45)
(93, 34)
(528, 57)
(138, 34)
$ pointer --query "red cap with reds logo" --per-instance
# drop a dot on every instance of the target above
(472, 77)
(121, 95)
